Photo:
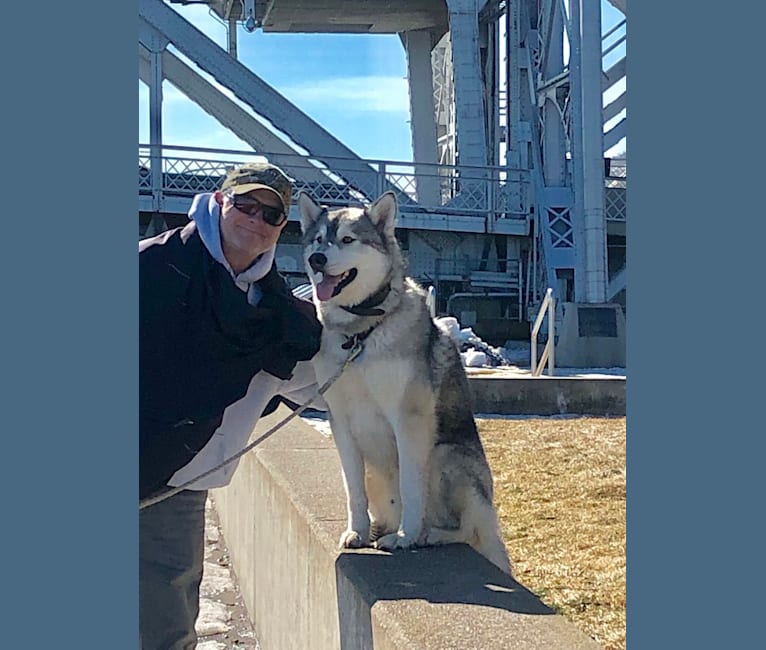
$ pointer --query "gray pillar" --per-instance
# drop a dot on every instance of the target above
(576, 139)
(469, 101)
(417, 44)
(554, 143)
(155, 121)
(517, 93)
(594, 218)
(444, 92)
(233, 37)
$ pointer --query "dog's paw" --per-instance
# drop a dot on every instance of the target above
(353, 539)
(397, 540)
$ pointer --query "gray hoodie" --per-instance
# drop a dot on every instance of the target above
(205, 212)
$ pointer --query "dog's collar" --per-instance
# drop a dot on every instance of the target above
(369, 306)
(355, 339)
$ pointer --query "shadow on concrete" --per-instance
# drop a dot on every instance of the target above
(447, 574)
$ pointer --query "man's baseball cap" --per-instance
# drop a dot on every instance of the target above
(259, 176)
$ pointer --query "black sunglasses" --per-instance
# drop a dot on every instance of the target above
(251, 206)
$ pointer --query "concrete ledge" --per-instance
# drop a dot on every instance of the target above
(548, 395)
(281, 518)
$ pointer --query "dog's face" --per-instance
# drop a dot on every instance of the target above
(347, 251)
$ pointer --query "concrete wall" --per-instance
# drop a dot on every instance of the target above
(548, 395)
(281, 518)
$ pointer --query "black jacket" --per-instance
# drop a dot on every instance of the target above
(200, 344)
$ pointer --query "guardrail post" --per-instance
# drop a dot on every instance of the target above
(155, 165)
(490, 198)
(381, 179)
(431, 301)
(155, 120)
(551, 333)
(548, 305)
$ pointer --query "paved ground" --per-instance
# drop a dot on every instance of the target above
(223, 623)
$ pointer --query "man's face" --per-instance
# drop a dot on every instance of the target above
(244, 233)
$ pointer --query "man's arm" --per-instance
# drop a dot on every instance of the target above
(298, 390)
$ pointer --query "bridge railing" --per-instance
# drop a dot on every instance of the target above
(616, 191)
(464, 190)
(492, 193)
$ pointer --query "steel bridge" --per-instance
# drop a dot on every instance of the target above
(509, 178)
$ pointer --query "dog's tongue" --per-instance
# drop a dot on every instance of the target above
(326, 287)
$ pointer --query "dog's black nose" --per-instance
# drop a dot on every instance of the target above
(317, 262)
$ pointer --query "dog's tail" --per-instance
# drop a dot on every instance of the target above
(480, 529)
(491, 547)
(487, 535)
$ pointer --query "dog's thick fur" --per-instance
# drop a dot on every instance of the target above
(413, 465)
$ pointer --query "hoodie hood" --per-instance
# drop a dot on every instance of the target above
(205, 212)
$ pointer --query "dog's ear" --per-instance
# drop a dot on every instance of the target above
(383, 212)
(309, 209)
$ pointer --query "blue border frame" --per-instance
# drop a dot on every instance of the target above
(70, 326)
(695, 243)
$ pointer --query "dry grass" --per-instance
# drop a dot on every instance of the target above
(560, 495)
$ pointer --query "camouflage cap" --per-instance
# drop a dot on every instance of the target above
(259, 176)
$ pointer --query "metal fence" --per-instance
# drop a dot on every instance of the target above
(492, 193)
(465, 190)
(616, 190)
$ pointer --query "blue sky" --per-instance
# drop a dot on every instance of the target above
(353, 85)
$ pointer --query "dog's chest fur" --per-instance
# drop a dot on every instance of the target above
(369, 395)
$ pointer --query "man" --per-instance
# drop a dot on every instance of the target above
(222, 339)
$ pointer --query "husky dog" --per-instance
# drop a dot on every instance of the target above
(413, 465)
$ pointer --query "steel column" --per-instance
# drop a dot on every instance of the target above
(469, 100)
(593, 217)
(155, 119)
(417, 44)
(554, 137)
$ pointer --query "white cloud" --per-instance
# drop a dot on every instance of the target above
(348, 94)
(351, 94)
